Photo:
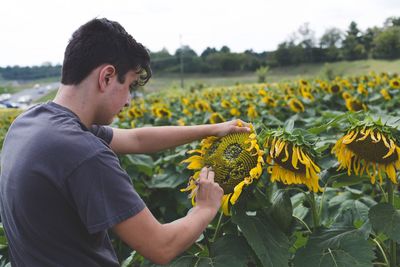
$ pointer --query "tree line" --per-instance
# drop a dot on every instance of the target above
(302, 47)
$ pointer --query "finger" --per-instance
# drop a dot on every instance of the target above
(243, 123)
(243, 129)
(204, 173)
(211, 175)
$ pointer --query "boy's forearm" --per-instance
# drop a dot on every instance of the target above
(153, 139)
(185, 231)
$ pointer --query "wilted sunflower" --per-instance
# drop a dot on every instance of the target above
(236, 160)
(290, 159)
(369, 147)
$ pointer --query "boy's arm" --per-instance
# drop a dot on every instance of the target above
(161, 243)
(153, 139)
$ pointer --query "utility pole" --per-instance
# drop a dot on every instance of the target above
(181, 59)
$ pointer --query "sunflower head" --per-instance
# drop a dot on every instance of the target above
(353, 104)
(369, 147)
(216, 118)
(335, 88)
(296, 105)
(394, 83)
(236, 160)
(291, 158)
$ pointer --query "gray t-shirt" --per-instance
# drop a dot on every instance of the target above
(61, 188)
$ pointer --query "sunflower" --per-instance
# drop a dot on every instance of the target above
(394, 83)
(269, 101)
(362, 90)
(216, 118)
(236, 160)
(385, 93)
(335, 88)
(135, 112)
(226, 104)
(296, 105)
(291, 160)
(369, 147)
(235, 112)
(202, 106)
(252, 112)
(163, 112)
(346, 95)
(353, 104)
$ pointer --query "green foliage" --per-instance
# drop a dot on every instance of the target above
(30, 73)
(387, 44)
(386, 219)
(269, 244)
(341, 245)
(281, 210)
(262, 73)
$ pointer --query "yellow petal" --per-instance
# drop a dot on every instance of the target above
(225, 204)
(286, 154)
(349, 137)
(236, 192)
(385, 141)
(391, 149)
(391, 172)
(294, 158)
(365, 135)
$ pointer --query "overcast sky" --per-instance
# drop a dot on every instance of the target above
(36, 31)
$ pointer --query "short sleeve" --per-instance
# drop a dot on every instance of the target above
(102, 192)
(103, 132)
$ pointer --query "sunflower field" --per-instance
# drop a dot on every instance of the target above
(315, 182)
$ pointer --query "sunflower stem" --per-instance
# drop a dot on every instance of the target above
(382, 250)
(314, 210)
(393, 249)
(218, 225)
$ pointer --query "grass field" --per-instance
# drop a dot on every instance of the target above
(303, 71)
(161, 81)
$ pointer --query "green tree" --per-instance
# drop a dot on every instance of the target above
(330, 43)
(387, 44)
(352, 48)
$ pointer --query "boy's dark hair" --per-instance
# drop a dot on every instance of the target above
(101, 41)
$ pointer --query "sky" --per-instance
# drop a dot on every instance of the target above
(35, 32)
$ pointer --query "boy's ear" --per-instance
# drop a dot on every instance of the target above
(106, 74)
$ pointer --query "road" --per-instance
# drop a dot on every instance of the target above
(34, 93)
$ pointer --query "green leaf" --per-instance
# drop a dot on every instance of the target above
(300, 240)
(228, 251)
(232, 246)
(342, 179)
(269, 244)
(168, 179)
(341, 245)
(352, 250)
(218, 261)
(142, 163)
(385, 218)
(281, 210)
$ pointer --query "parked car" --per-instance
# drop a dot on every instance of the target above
(25, 99)
(10, 104)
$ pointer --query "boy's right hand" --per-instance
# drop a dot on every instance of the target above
(209, 194)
